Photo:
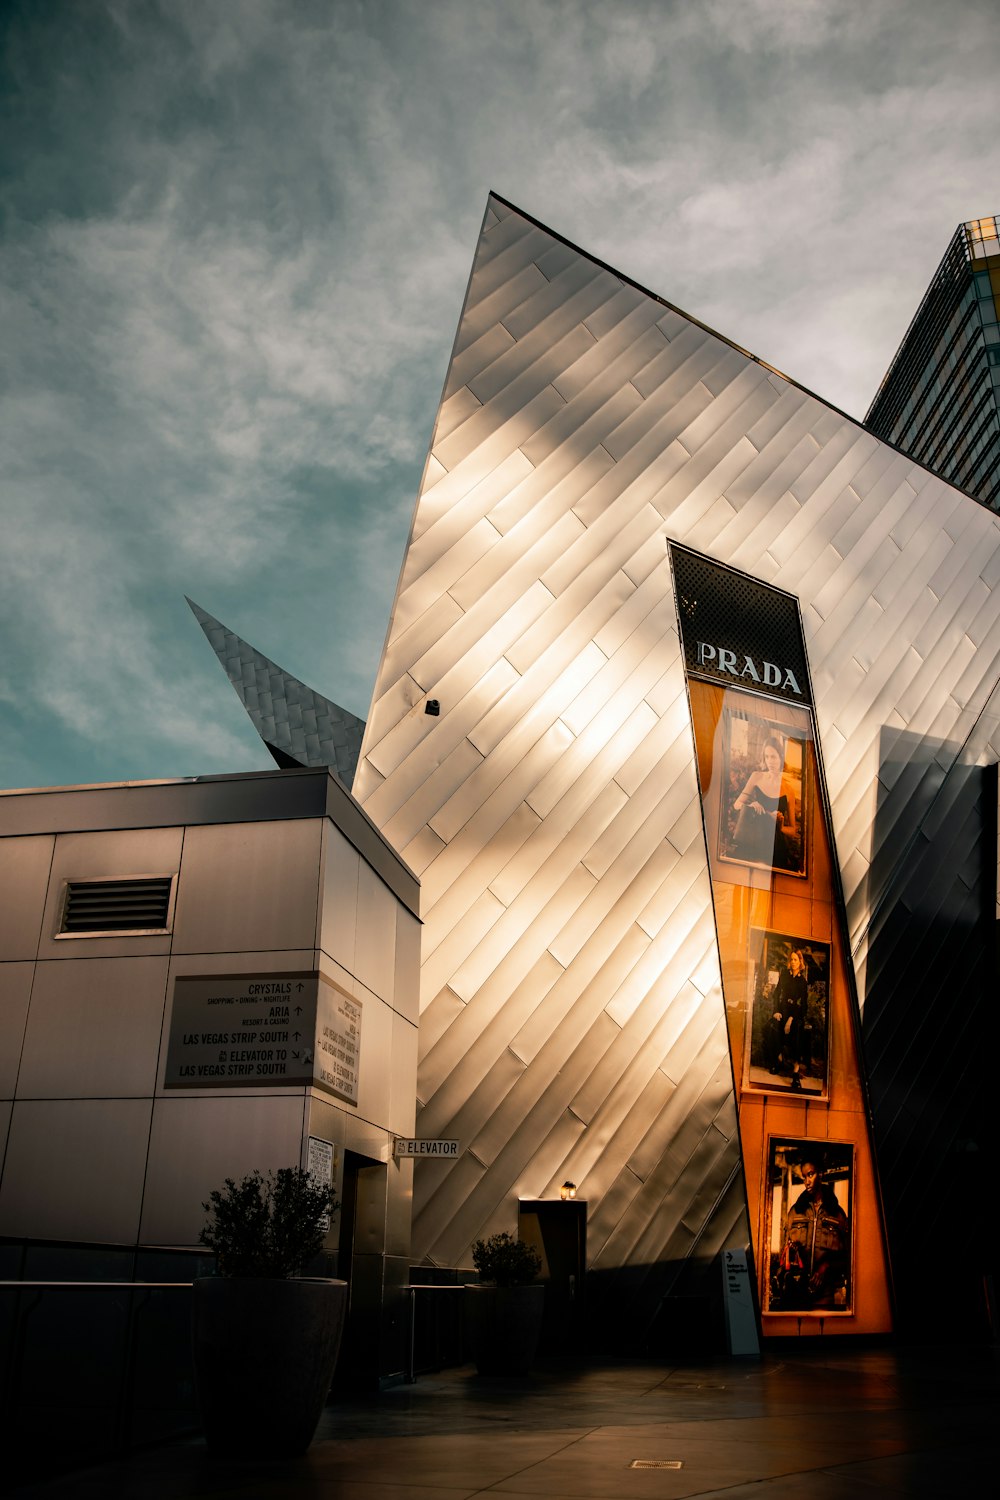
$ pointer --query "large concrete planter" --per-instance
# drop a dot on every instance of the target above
(504, 1325)
(264, 1352)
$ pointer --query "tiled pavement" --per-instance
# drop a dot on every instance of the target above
(840, 1425)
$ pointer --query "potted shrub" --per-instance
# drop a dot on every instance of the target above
(504, 1312)
(265, 1337)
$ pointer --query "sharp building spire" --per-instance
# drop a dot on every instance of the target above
(298, 725)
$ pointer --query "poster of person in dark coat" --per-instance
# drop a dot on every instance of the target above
(788, 1009)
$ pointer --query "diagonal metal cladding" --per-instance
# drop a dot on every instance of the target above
(298, 725)
(572, 1016)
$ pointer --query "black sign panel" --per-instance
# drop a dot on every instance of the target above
(737, 631)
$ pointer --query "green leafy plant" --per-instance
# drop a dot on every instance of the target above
(267, 1226)
(505, 1261)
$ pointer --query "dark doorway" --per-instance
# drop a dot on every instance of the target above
(360, 1262)
(558, 1231)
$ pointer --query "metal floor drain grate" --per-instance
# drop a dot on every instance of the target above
(656, 1463)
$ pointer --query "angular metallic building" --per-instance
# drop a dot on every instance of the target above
(940, 398)
(298, 725)
(704, 825)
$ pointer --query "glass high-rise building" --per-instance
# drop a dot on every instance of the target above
(940, 398)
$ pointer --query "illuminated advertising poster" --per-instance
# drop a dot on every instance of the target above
(809, 1227)
(787, 1045)
(791, 1012)
(763, 813)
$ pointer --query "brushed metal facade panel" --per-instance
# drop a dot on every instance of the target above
(339, 898)
(406, 982)
(93, 1029)
(638, 426)
(428, 795)
(249, 887)
(24, 879)
(375, 946)
(447, 569)
(94, 1151)
(195, 1143)
(15, 992)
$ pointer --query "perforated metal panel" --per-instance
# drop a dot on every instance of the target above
(723, 611)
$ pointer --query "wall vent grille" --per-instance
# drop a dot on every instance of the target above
(138, 905)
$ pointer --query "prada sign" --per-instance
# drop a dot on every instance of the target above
(765, 675)
(735, 629)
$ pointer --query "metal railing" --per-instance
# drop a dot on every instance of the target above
(93, 1368)
(436, 1329)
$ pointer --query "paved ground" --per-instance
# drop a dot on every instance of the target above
(843, 1425)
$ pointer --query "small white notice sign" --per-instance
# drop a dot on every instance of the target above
(741, 1319)
(319, 1165)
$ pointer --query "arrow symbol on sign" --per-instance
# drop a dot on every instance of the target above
(301, 987)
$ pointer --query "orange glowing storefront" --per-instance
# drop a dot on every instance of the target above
(791, 1011)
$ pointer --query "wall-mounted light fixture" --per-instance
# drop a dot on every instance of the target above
(568, 1190)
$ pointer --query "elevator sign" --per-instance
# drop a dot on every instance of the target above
(424, 1148)
(264, 1031)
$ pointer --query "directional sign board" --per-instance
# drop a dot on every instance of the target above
(338, 1042)
(405, 1147)
(264, 1030)
(741, 1319)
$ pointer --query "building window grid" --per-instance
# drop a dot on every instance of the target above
(914, 434)
(974, 418)
(923, 366)
(945, 349)
(981, 237)
(969, 407)
(923, 436)
(986, 442)
(929, 322)
(980, 465)
(939, 315)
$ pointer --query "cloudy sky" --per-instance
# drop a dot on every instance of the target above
(234, 242)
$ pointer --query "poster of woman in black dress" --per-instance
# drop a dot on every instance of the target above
(763, 802)
(787, 1015)
(810, 1188)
